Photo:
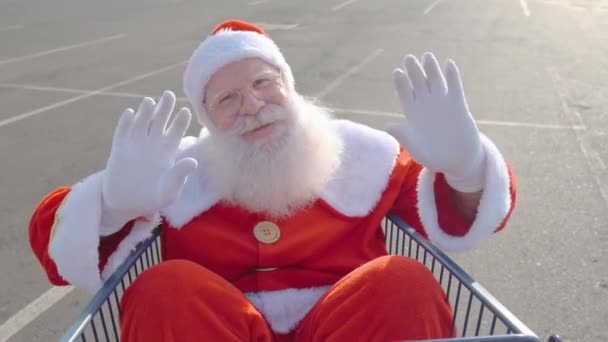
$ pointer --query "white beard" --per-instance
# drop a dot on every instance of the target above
(281, 173)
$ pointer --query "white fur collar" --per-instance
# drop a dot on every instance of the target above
(354, 189)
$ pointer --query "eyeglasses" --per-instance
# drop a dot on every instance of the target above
(231, 101)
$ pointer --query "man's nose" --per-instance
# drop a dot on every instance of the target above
(251, 104)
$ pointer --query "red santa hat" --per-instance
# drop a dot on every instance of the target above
(230, 41)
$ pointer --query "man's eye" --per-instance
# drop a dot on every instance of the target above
(227, 99)
(263, 81)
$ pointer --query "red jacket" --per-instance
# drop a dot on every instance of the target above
(311, 250)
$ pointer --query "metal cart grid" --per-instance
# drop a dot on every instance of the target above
(478, 316)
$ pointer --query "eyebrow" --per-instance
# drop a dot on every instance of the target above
(264, 71)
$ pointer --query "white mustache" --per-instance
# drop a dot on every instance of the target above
(268, 114)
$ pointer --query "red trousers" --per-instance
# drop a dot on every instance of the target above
(388, 299)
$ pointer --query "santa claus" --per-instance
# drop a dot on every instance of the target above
(271, 217)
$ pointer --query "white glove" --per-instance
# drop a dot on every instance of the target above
(440, 133)
(141, 176)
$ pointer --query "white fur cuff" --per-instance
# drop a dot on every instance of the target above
(494, 205)
(74, 245)
(141, 231)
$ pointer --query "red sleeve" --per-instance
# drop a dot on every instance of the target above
(406, 204)
(40, 230)
(449, 218)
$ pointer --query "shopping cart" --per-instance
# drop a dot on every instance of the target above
(478, 316)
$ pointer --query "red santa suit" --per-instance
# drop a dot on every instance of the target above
(284, 267)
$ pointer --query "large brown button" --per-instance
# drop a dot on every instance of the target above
(266, 232)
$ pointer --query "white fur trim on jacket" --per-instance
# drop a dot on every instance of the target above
(369, 157)
(197, 195)
(284, 309)
(494, 205)
(353, 190)
(141, 231)
(74, 246)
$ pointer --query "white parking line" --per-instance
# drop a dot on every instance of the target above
(80, 91)
(68, 90)
(594, 160)
(431, 6)
(276, 27)
(561, 4)
(85, 95)
(342, 5)
(336, 83)
(10, 28)
(369, 113)
(59, 49)
(257, 2)
(529, 125)
(344, 111)
(524, 7)
(480, 122)
(34, 309)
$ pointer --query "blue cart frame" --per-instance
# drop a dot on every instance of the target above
(478, 316)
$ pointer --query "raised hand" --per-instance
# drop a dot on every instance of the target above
(440, 132)
(142, 176)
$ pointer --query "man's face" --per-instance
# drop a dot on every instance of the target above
(247, 99)
(270, 149)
